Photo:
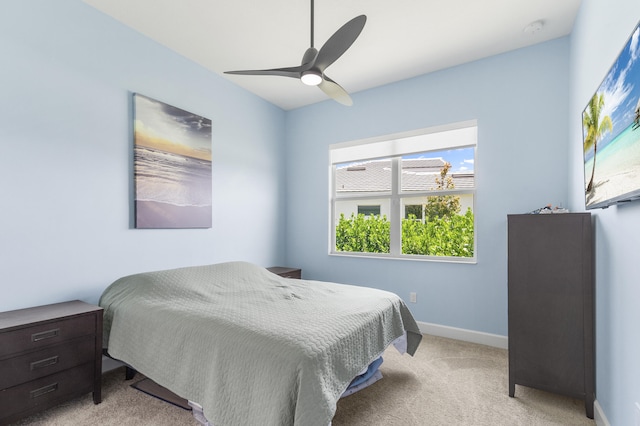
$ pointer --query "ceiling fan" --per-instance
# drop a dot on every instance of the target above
(314, 61)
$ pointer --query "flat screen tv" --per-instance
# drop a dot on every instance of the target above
(611, 132)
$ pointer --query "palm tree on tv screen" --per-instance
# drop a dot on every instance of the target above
(594, 129)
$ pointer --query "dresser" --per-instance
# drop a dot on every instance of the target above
(286, 272)
(551, 304)
(48, 354)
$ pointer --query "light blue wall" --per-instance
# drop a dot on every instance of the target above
(65, 170)
(520, 100)
(66, 76)
(601, 30)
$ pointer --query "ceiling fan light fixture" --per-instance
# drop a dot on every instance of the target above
(311, 78)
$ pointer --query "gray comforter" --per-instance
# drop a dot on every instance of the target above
(249, 346)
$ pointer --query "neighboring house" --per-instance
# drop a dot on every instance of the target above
(370, 177)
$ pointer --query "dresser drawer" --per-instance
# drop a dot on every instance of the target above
(38, 336)
(46, 391)
(49, 360)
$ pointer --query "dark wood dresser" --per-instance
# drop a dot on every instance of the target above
(49, 354)
(551, 304)
(286, 272)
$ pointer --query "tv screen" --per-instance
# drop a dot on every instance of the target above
(611, 132)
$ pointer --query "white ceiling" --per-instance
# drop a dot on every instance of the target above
(401, 39)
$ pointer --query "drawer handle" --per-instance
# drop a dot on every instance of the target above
(44, 390)
(44, 362)
(36, 337)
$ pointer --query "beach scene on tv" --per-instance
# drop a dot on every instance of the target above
(611, 132)
(172, 166)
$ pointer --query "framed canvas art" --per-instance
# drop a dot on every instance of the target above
(172, 166)
(611, 132)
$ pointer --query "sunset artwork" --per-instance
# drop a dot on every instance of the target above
(172, 166)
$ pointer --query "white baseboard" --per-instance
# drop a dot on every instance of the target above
(598, 415)
(479, 337)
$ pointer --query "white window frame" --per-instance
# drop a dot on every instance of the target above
(438, 138)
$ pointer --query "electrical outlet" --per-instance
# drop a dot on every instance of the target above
(413, 297)
(637, 413)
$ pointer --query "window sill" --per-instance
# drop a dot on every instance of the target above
(411, 258)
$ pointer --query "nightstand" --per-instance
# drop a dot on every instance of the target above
(286, 272)
(49, 354)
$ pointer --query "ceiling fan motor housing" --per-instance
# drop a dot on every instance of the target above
(314, 61)
(309, 56)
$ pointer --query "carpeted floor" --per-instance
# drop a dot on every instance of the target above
(448, 382)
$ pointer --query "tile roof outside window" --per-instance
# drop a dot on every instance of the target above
(418, 174)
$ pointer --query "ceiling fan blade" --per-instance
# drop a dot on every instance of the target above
(335, 91)
(293, 72)
(339, 42)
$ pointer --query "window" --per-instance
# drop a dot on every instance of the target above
(369, 210)
(414, 211)
(407, 196)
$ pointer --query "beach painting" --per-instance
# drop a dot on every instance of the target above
(172, 166)
(611, 132)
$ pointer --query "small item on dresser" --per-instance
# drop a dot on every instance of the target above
(548, 210)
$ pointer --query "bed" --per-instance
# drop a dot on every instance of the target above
(247, 345)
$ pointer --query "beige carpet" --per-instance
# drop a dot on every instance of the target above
(448, 382)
